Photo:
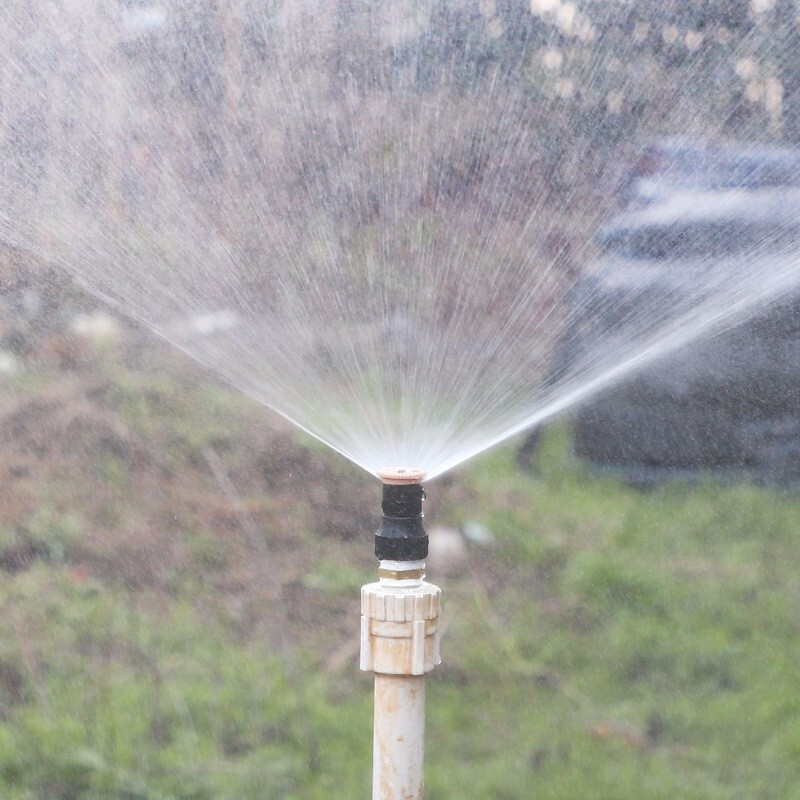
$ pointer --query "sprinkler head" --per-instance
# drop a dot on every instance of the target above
(401, 536)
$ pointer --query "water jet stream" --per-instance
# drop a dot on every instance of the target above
(380, 221)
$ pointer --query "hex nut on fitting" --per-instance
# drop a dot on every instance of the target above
(400, 628)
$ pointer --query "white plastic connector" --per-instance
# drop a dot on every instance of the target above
(399, 624)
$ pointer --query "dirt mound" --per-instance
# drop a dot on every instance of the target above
(61, 423)
(161, 488)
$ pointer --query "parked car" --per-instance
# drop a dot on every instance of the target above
(731, 402)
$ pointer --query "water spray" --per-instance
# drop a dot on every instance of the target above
(400, 638)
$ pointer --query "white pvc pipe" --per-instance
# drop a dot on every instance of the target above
(399, 737)
(399, 644)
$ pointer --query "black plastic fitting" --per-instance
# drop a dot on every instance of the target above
(402, 536)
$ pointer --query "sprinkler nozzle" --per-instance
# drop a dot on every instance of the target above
(402, 536)
(400, 476)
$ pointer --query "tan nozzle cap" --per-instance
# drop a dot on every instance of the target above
(399, 476)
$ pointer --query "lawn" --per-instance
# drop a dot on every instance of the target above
(611, 644)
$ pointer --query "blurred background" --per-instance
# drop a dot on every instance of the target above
(180, 570)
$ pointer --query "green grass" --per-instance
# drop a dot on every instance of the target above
(649, 641)
(107, 695)
(614, 645)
